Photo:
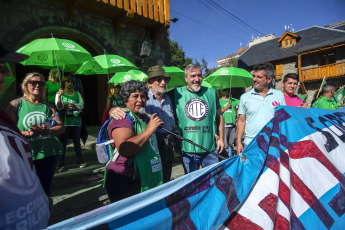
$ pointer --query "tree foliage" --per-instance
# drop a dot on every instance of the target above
(178, 56)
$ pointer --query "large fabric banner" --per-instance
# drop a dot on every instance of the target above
(291, 176)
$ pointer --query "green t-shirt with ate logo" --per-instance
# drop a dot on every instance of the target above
(230, 114)
(42, 145)
(75, 99)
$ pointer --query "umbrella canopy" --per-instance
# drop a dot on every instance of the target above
(89, 67)
(122, 77)
(230, 77)
(54, 53)
(176, 76)
(206, 84)
(111, 63)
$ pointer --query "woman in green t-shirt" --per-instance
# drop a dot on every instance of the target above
(34, 119)
(73, 103)
(52, 86)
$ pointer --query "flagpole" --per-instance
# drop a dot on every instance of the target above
(318, 93)
(339, 89)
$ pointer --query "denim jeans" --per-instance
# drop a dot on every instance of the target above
(192, 161)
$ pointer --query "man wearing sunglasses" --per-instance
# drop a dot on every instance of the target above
(160, 103)
(22, 196)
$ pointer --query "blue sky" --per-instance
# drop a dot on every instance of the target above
(204, 31)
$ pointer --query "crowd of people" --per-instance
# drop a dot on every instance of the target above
(49, 114)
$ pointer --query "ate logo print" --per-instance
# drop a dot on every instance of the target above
(42, 57)
(127, 77)
(196, 109)
(34, 118)
(68, 45)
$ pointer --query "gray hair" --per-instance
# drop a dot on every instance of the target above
(193, 66)
(132, 86)
(268, 67)
(328, 87)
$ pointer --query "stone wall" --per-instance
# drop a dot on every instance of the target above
(22, 21)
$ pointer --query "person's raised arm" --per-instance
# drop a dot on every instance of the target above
(220, 142)
(58, 101)
(240, 131)
(117, 113)
(127, 144)
(226, 107)
(109, 102)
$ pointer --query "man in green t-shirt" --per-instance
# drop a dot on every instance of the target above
(229, 107)
(327, 101)
(198, 113)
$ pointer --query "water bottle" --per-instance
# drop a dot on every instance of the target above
(51, 122)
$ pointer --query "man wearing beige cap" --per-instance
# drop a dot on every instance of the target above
(160, 103)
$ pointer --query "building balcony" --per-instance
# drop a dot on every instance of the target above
(150, 14)
(319, 72)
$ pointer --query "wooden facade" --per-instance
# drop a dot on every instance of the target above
(157, 10)
(319, 72)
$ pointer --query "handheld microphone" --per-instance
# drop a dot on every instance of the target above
(142, 111)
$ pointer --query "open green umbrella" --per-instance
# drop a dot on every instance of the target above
(206, 84)
(176, 76)
(112, 63)
(122, 77)
(89, 67)
(230, 77)
(54, 53)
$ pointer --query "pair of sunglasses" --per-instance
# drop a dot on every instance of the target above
(159, 79)
(70, 82)
(35, 83)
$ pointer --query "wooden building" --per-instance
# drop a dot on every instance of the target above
(100, 26)
(313, 53)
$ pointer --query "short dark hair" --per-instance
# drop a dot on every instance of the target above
(268, 67)
(292, 76)
(132, 86)
(328, 87)
(64, 79)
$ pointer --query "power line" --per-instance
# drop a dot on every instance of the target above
(210, 27)
(222, 16)
(235, 17)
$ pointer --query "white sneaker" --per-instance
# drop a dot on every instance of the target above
(83, 165)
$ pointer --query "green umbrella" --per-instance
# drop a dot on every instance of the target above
(176, 76)
(54, 53)
(206, 84)
(111, 63)
(122, 77)
(89, 67)
(230, 77)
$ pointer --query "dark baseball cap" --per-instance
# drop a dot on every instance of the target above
(10, 56)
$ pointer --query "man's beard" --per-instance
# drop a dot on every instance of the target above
(159, 92)
(260, 88)
(194, 89)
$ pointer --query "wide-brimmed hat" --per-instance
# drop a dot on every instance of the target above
(156, 71)
(10, 56)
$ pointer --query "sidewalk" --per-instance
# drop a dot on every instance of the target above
(79, 190)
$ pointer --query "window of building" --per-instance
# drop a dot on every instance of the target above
(279, 70)
(327, 58)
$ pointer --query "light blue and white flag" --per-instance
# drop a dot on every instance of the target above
(292, 178)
